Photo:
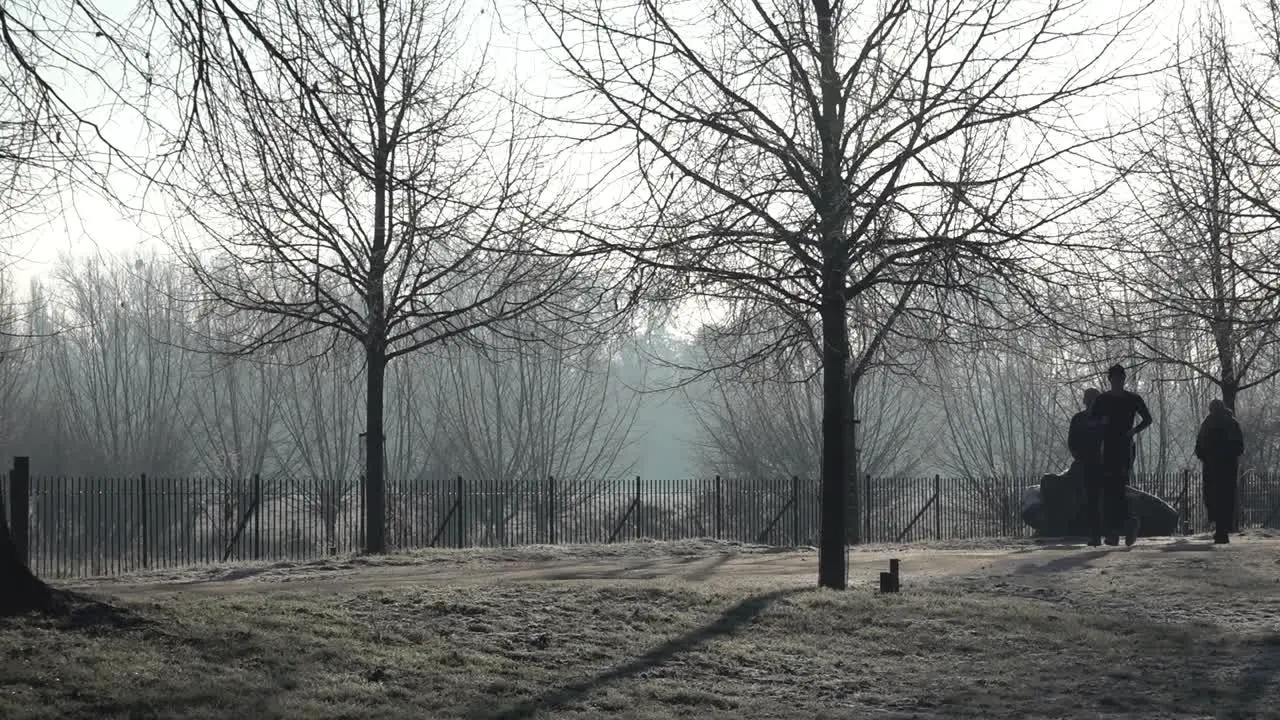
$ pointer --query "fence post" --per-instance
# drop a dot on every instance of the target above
(866, 509)
(20, 506)
(937, 507)
(1185, 510)
(795, 511)
(551, 511)
(142, 510)
(719, 515)
(461, 517)
(635, 522)
(257, 516)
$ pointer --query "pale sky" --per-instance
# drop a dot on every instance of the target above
(85, 223)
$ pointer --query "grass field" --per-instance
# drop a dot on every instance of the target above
(1167, 629)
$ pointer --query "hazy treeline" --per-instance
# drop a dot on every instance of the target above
(1168, 266)
(108, 373)
(112, 377)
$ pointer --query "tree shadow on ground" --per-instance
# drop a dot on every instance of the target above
(1061, 563)
(1255, 681)
(708, 571)
(73, 611)
(1184, 545)
(557, 699)
(645, 570)
(1058, 543)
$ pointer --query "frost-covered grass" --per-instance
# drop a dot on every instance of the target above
(1174, 629)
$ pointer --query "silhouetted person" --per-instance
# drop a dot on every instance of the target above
(1115, 410)
(1219, 445)
(1084, 440)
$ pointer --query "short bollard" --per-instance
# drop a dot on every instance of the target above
(889, 581)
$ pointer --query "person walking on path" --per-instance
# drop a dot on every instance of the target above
(1085, 443)
(1219, 445)
(1115, 411)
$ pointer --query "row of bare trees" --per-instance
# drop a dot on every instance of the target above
(110, 379)
(857, 190)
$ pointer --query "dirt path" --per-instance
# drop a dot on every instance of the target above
(1067, 572)
(798, 567)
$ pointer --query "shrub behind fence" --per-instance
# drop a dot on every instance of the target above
(102, 526)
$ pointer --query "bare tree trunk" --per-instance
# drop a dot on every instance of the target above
(375, 470)
(835, 465)
(20, 590)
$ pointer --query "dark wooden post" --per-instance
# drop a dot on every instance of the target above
(20, 507)
(889, 581)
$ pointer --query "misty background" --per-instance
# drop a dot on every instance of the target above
(519, 259)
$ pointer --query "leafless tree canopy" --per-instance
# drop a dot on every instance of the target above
(920, 140)
(936, 217)
(1182, 271)
(797, 154)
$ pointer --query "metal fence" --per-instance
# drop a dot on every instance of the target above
(103, 526)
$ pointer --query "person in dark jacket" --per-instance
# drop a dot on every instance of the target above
(1115, 410)
(1085, 443)
(1219, 445)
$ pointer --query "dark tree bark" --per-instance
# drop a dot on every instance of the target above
(20, 590)
(832, 572)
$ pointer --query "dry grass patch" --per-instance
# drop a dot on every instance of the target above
(641, 650)
(530, 556)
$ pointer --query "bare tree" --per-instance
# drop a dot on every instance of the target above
(420, 457)
(238, 432)
(119, 374)
(769, 426)
(1005, 415)
(1186, 248)
(517, 416)
(353, 173)
(20, 589)
(798, 153)
(68, 70)
(319, 412)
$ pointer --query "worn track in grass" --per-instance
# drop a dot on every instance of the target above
(1174, 628)
(1026, 568)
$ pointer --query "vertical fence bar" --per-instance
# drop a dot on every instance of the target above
(635, 521)
(259, 504)
(63, 534)
(97, 543)
(458, 504)
(719, 510)
(866, 502)
(98, 547)
(119, 523)
(76, 534)
(143, 512)
(551, 507)
(84, 513)
(795, 511)
(937, 507)
(110, 529)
